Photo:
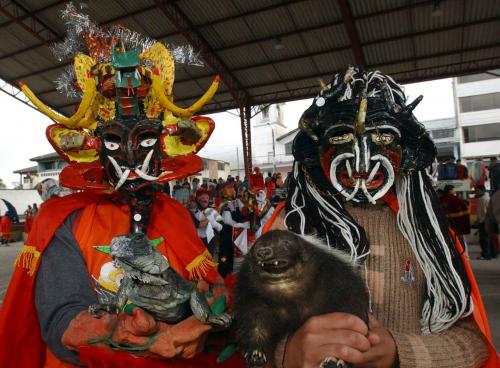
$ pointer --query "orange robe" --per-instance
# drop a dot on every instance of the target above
(100, 221)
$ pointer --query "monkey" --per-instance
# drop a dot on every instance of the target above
(284, 280)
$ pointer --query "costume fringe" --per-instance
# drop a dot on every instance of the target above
(28, 259)
(200, 266)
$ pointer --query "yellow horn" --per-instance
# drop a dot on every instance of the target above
(190, 111)
(85, 104)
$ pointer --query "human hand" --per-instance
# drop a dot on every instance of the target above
(130, 329)
(383, 351)
(340, 335)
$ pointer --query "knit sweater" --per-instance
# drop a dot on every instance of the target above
(397, 301)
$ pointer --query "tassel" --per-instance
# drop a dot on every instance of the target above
(200, 266)
(28, 259)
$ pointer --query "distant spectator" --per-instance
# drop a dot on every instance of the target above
(492, 221)
(450, 170)
(5, 227)
(279, 180)
(462, 172)
(195, 184)
(35, 209)
(182, 194)
(485, 242)
(457, 212)
(28, 219)
(494, 174)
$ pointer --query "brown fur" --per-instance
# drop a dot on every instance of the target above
(272, 301)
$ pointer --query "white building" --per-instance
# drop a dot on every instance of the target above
(48, 166)
(446, 136)
(477, 101)
(271, 149)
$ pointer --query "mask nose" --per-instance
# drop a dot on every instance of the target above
(264, 253)
(130, 154)
(362, 155)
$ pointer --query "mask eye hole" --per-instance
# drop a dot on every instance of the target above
(147, 142)
(382, 138)
(112, 142)
(147, 139)
(341, 139)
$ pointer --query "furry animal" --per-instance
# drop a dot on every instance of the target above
(150, 283)
(284, 280)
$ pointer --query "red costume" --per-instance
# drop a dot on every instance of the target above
(99, 221)
(457, 211)
(5, 227)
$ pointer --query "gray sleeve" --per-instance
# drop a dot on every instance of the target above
(63, 289)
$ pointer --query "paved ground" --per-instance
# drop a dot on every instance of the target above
(487, 274)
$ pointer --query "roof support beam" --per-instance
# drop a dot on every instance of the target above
(352, 32)
(182, 23)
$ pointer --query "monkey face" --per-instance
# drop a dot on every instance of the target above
(277, 255)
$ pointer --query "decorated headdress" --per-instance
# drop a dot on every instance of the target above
(360, 141)
(121, 76)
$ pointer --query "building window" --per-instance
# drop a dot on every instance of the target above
(481, 133)
(220, 166)
(205, 163)
(442, 133)
(487, 101)
(288, 148)
(478, 77)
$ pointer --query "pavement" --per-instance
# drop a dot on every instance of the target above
(487, 275)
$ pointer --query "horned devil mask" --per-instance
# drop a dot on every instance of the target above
(358, 140)
(365, 135)
(127, 132)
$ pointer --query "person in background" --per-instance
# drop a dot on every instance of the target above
(492, 221)
(195, 183)
(207, 220)
(462, 172)
(35, 209)
(485, 242)
(279, 180)
(457, 212)
(28, 219)
(494, 174)
(182, 194)
(5, 228)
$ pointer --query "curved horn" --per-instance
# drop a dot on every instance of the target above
(71, 122)
(190, 111)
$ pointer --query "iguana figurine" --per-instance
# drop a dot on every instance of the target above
(151, 284)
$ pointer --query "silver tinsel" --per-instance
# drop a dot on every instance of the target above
(185, 55)
(79, 24)
(66, 83)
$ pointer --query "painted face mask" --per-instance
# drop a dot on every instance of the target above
(130, 155)
(363, 135)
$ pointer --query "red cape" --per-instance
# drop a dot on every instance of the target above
(20, 337)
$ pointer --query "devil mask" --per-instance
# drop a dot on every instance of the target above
(362, 134)
(130, 154)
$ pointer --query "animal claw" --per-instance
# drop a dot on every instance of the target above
(255, 358)
(331, 362)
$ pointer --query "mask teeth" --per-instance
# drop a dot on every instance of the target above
(117, 167)
(372, 174)
(146, 176)
(123, 178)
(145, 164)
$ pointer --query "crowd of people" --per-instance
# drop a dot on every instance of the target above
(229, 214)
(487, 205)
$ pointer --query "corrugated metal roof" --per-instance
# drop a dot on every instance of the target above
(268, 50)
